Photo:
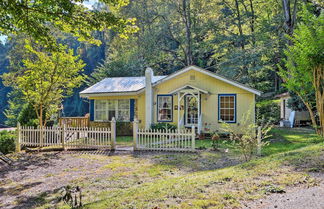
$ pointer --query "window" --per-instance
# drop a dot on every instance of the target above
(164, 108)
(123, 110)
(105, 110)
(100, 110)
(227, 107)
(111, 109)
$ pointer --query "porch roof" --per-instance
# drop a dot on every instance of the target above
(188, 87)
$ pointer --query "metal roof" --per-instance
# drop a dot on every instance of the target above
(119, 85)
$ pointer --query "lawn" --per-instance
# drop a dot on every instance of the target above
(164, 180)
(280, 140)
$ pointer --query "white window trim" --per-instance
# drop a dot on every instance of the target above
(219, 107)
(106, 109)
(95, 110)
(171, 108)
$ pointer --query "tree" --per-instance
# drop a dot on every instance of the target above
(39, 18)
(45, 78)
(305, 64)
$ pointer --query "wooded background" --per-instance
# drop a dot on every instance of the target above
(241, 39)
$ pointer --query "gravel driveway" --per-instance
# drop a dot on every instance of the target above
(295, 198)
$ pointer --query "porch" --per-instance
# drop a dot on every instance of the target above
(189, 108)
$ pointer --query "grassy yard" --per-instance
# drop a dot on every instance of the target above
(171, 180)
(281, 140)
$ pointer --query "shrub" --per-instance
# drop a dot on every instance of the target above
(245, 137)
(163, 126)
(268, 110)
(27, 116)
(7, 141)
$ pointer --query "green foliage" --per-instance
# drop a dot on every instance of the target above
(27, 116)
(41, 19)
(295, 103)
(7, 141)
(268, 110)
(245, 136)
(304, 57)
(45, 78)
(163, 126)
(124, 128)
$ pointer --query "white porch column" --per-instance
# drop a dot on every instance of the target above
(148, 98)
(199, 114)
(178, 110)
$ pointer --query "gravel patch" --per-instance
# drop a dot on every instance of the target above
(294, 198)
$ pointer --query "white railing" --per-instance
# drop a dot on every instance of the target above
(67, 137)
(164, 140)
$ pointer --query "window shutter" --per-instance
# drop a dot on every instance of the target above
(91, 107)
(131, 109)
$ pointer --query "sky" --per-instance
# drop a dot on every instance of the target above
(87, 3)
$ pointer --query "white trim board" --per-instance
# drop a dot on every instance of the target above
(185, 86)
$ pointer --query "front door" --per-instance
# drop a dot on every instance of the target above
(191, 111)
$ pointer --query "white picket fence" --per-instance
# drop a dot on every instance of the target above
(164, 140)
(67, 137)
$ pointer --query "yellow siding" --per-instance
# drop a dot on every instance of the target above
(209, 103)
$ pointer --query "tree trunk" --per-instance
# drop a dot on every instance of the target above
(290, 18)
(41, 125)
(239, 24)
(312, 115)
(187, 21)
(318, 82)
(252, 22)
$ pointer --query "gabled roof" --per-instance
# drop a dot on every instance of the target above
(214, 75)
(135, 85)
(119, 85)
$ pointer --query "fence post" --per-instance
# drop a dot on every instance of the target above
(113, 133)
(259, 141)
(193, 136)
(63, 136)
(18, 141)
(135, 129)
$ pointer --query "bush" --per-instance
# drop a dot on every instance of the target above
(27, 116)
(269, 111)
(7, 141)
(163, 126)
(244, 137)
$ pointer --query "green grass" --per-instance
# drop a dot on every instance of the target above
(217, 188)
(281, 140)
(124, 140)
(287, 139)
(183, 180)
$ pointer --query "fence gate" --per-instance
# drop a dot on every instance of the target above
(164, 140)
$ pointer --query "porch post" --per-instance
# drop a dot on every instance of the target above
(135, 135)
(178, 110)
(199, 119)
(113, 133)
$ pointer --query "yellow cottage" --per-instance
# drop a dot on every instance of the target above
(189, 97)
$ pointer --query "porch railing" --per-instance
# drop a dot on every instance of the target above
(75, 121)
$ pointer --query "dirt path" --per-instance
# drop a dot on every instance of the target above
(34, 174)
(294, 198)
